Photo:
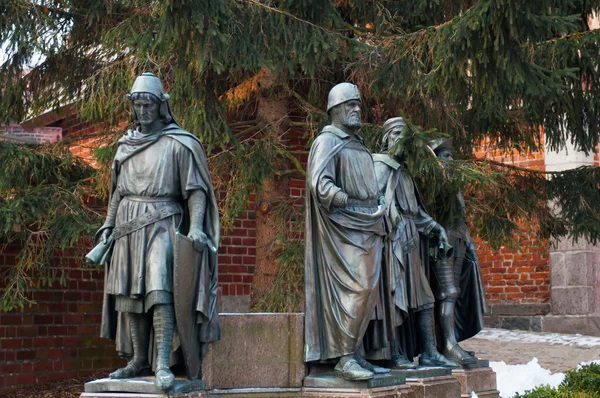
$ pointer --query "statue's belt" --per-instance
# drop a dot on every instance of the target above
(361, 202)
(150, 217)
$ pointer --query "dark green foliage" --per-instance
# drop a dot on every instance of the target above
(43, 204)
(496, 70)
(578, 383)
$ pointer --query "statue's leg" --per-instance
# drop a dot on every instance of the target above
(447, 294)
(451, 349)
(139, 325)
(429, 353)
(164, 326)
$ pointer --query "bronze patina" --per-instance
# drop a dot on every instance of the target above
(458, 284)
(160, 298)
(407, 289)
(344, 238)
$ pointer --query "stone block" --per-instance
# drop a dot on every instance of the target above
(438, 387)
(256, 393)
(480, 380)
(381, 392)
(567, 244)
(558, 272)
(584, 324)
(492, 322)
(331, 381)
(579, 269)
(536, 324)
(234, 304)
(141, 385)
(256, 350)
(519, 309)
(516, 323)
(572, 300)
(197, 394)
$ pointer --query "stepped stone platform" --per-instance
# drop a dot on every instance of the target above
(261, 355)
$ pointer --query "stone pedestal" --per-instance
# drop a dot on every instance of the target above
(141, 385)
(481, 380)
(256, 351)
(402, 391)
(437, 386)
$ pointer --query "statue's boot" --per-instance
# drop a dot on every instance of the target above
(451, 349)
(399, 360)
(430, 355)
(164, 325)
(348, 369)
(360, 357)
(140, 334)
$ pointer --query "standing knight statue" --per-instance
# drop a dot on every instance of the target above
(344, 240)
(407, 289)
(158, 243)
(458, 283)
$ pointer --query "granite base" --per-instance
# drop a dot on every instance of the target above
(142, 385)
(438, 387)
(481, 380)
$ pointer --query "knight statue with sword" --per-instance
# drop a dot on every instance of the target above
(158, 244)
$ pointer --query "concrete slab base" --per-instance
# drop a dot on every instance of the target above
(403, 391)
(481, 380)
(331, 381)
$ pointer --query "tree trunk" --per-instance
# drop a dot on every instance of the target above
(273, 109)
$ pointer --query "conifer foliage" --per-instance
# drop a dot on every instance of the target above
(494, 71)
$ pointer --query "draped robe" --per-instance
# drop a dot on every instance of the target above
(343, 246)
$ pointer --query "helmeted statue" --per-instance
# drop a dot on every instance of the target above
(458, 284)
(344, 239)
(407, 287)
(162, 225)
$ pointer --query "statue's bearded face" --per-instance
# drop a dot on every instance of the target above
(351, 113)
(147, 109)
(394, 135)
(445, 155)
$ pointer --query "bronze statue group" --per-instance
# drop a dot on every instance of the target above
(371, 292)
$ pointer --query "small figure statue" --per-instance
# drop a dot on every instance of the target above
(458, 284)
(407, 286)
(344, 240)
(160, 285)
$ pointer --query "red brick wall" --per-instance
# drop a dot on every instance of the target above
(516, 276)
(56, 338)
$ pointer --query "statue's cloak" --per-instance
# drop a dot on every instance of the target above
(343, 246)
(115, 325)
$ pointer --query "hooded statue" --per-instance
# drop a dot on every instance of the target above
(161, 197)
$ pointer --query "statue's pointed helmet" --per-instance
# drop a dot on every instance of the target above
(148, 83)
(341, 93)
(441, 144)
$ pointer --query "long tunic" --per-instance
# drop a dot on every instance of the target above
(406, 219)
(170, 164)
(343, 245)
(142, 261)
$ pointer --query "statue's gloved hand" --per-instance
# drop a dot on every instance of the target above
(442, 237)
(381, 201)
(200, 239)
(106, 234)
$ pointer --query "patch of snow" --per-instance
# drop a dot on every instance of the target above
(473, 395)
(571, 340)
(582, 364)
(512, 379)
